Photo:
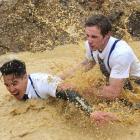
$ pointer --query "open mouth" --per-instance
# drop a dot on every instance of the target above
(16, 94)
(91, 46)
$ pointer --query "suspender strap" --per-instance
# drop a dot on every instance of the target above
(91, 53)
(25, 97)
(112, 48)
(34, 87)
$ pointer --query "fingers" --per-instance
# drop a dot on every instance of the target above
(110, 116)
(103, 117)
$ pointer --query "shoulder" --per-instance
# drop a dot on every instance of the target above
(44, 77)
(122, 53)
(122, 48)
(120, 42)
(39, 75)
(123, 43)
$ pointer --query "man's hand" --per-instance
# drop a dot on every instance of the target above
(101, 118)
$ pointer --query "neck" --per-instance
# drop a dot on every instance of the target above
(104, 45)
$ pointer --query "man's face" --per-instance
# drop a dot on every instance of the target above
(16, 85)
(95, 39)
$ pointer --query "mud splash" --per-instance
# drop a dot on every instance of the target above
(54, 120)
(37, 25)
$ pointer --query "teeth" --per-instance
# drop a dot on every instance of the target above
(16, 94)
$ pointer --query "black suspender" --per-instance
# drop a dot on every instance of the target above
(91, 53)
(33, 87)
(112, 48)
(127, 84)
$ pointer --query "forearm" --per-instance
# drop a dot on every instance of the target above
(83, 66)
(109, 93)
(112, 90)
(87, 65)
(69, 73)
(97, 116)
(75, 98)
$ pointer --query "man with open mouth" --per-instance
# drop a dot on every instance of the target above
(42, 85)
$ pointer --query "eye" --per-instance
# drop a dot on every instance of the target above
(14, 83)
(87, 35)
(7, 85)
(93, 36)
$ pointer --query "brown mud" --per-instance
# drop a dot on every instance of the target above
(45, 27)
(37, 25)
(54, 120)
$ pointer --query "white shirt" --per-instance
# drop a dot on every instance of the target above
(123, 62)
(44, 84)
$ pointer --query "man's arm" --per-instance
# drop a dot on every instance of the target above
(85, 66)
(75, 98)
(121, 70)
(99, 117)
(113, 90)
(88, 64)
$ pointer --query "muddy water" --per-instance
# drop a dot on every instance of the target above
(57, 120)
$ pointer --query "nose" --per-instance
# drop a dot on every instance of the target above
(12, 89)
(90, 40)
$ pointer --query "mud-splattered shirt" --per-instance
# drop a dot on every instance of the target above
(44, 84)
(123, 62)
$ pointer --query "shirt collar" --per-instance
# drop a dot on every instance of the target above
(28, 87)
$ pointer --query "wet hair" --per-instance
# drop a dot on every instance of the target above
(15, 67)
(101, 21)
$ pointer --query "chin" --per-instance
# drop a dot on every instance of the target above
(18, 97)
(94, 49)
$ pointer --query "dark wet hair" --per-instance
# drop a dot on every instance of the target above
(101, 21)
(15, 67)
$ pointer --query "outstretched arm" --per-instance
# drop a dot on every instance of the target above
(77, 99)
(85, 65)
(97, 116)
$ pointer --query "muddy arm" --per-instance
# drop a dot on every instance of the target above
(75, 98)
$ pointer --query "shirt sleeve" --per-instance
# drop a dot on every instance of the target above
(121, 66)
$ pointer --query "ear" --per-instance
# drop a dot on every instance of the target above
(107, 36)
(25, 76)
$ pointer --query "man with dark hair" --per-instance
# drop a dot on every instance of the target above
(115, 57)
(42, 85)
